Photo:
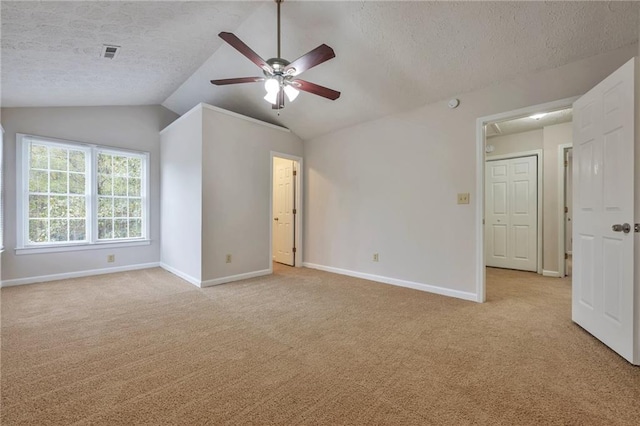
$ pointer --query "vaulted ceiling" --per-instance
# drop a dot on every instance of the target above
(390, 56)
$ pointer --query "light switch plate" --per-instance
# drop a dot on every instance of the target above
(463, 198)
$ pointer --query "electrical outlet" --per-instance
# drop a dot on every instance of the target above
(111, 258)
(376, 257)
(228, 258)
(463, 198)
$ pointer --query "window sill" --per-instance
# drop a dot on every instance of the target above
(81, 247)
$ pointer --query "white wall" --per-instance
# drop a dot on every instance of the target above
(389, 186)
(181, 196)
(237, 191)
(517, 142)
(553, 136)
(126, 127)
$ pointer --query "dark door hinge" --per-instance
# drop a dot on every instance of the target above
(294, 250)
(295, 211)
(295, 172)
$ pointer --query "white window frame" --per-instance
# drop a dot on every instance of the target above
(92, 242)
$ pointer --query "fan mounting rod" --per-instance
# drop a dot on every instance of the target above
(278, 3)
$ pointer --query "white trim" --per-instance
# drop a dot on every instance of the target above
(298, 206)
(554, 274)
(232, 278)
(178, 273)
(202, 106)
(80, 247)
(540, 190)
(397, 282)
(562, 267)
(480, 160)
(78, 274)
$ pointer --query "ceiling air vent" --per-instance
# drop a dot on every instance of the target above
(109, 51)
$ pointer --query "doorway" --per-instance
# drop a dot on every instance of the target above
(565, 218)
(285, 209)
(528, 129)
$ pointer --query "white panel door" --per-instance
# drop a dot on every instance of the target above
(603, 181)
(283, 218)
(511, 217)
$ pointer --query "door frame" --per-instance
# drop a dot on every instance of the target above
(480, 163)
(538, 153)
(297, 235)
(562, 231)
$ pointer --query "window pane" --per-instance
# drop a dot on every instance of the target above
(104, 163)
(59, 229)
(105, 229)
(120, 165)
(134, 187)
(58, 182)
(77, 207)
(105, 207)
(119, 186)
(39, 157)
(105, 185)
(120, 207)
(77, 231)
(58, 158)
(59, 207)
(38, 206)
(135, 167)
(135, 207)
(38, 230)
(38, 181)
(120, 228)
(77, 161)
(76, 183)
(135, 228)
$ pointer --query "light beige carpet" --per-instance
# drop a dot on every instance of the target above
(304, 347)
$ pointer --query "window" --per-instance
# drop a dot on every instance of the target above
(78, 194)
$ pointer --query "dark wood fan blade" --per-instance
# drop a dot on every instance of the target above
(239, 45)
(316, 89)
(309, 60)
(280, 100)
(237, 80)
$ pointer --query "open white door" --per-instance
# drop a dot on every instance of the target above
(283, 205)
(603, 211)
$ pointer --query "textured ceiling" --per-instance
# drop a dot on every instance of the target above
(51, 50)
(391, 56)
(526, 124)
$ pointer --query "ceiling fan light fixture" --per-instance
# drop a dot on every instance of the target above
(291, 92)
(271, 97)
(272, 86)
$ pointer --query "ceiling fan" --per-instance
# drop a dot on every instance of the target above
(280, 74)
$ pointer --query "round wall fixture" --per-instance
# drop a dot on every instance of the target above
(453, 103)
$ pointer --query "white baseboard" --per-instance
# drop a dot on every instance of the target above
(232, 278)
(186, 277)
(78, 274)
(554, 274)
(397, 282)
(215, 281)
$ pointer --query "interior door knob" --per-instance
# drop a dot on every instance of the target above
(625, 227)
(275, 218)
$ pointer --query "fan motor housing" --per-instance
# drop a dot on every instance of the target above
(278, 65)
